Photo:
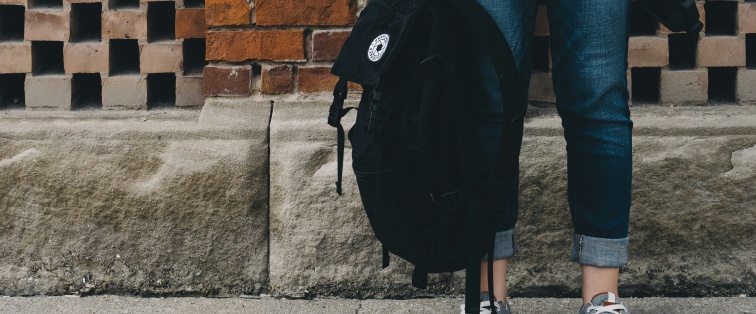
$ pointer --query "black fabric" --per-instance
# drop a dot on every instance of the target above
(427, 201)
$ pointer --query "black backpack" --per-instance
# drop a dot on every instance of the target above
(424, 195)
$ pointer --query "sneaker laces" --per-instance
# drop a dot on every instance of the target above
(609, 309)
(610, 305)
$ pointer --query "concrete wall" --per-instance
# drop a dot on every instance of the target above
(239, 199)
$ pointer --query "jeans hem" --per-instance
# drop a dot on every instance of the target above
(600, 252)
(505, 245)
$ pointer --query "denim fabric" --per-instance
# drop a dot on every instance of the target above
(599, 251)
(589, 55)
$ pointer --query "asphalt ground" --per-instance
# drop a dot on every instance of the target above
(269, 305)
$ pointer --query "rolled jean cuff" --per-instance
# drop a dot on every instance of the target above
(599, 251)
(504, 245)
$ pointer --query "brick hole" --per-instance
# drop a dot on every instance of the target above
(124, 56)
(256, 70)
(86, 91)
(123, 4)
(722, 82)
(161, 21)
(541, 54)
(11, 23)
(682, 51)
(194, 56)
(646, 82)
(721, 17)
(45, 4)
(194, 3)
(47, 57)
(12, 91)
(86, 22)
(751, 51)
(641, 22)
(161, 91)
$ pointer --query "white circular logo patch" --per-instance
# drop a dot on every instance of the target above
(378, 47)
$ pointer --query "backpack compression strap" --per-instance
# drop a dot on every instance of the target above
(335, 114)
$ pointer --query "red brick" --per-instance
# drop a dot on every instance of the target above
(281, 45)
(190, 23)
(227, 81)
(648, 52)
(124, 25)
(315, 80)
(160, 58)
(48, 26)
(722, 51)
(310, 12)
(747, 18)
(327, 45)
(227, 12)
(15, 58)
(82, 1)
(542, 22)
(277, 80)
(86, 58)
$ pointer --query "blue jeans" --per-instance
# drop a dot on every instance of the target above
(589, 54)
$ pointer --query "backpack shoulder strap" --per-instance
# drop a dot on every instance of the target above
(335, 114)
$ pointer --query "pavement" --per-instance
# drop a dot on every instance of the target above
(269, 305)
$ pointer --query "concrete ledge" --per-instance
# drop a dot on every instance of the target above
(184, 202)
(146, 202)
(692, 221)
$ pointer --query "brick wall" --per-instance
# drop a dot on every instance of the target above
(284, 48)
(287, 46)
(108, 54)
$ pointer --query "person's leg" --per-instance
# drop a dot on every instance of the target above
(589, 52)
(516, 19)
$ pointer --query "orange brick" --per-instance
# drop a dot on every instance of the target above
(277, 80)
(747, 18)
(648, 52)
(281, 45)
(327, 45)
(315, 80)
(227, 81)
(310, 12)
(721, 51)
(190, 23)
(227, 12)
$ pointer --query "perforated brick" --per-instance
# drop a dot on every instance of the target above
(46, 26)
(15, 57)
(124, 25)
(124, 92)
(160, 58)
(687, 87)
(48, 92)
(86, 58)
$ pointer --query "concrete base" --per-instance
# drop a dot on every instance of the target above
(176, 202)
(145, 203)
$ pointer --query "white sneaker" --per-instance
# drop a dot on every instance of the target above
(605, 303)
